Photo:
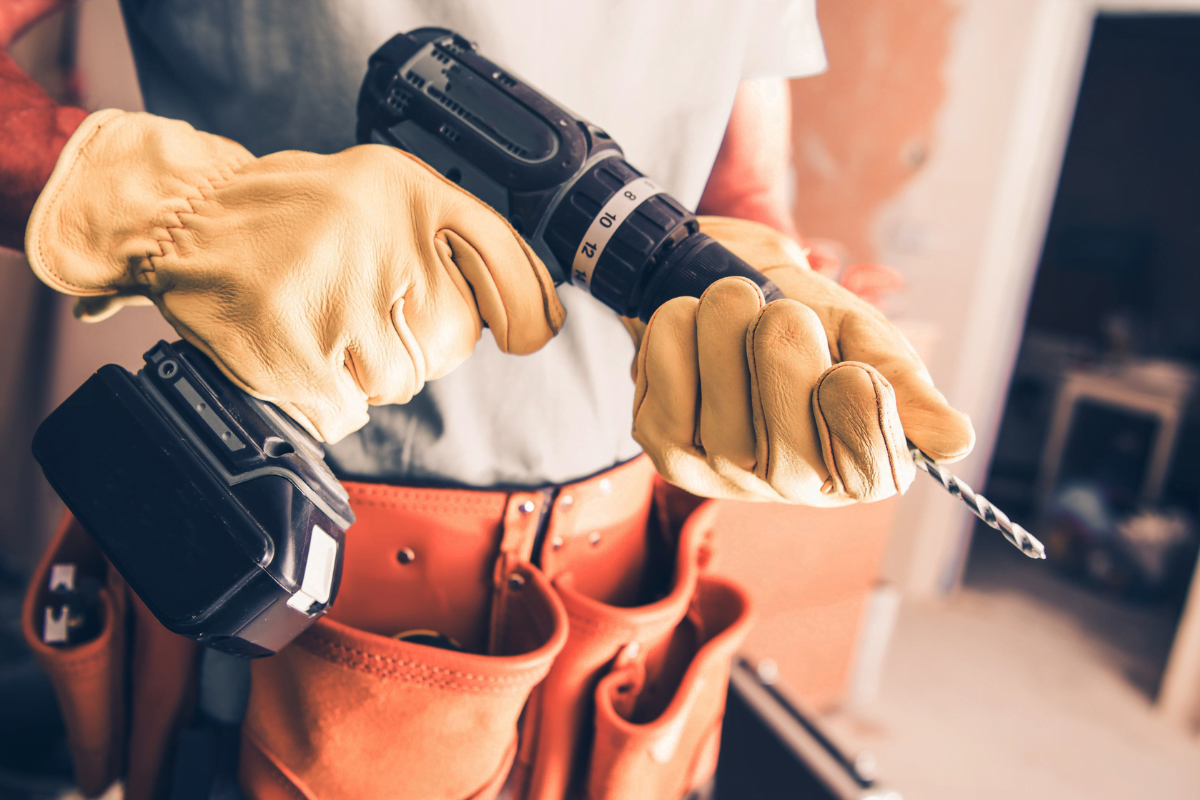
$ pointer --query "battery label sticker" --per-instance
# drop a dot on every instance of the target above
(317, 584)
(618, 207)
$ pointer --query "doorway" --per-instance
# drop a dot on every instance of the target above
(1095, 450)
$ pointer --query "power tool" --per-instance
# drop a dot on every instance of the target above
(562, 182)
(214, 506)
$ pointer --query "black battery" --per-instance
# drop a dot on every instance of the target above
(214, 506)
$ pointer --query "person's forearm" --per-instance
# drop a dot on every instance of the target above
(749, 178)
(33, 128)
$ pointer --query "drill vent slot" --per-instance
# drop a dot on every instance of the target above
(398, 100)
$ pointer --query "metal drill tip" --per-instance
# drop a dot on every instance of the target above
(1028, 543)
(1022, 539)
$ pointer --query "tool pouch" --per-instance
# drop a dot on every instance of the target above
(611, 661)
(658, 734)
(347, 711)
(87, 677)
(633, 705)
(124, 693)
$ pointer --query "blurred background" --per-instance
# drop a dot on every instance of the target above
(1027, 170)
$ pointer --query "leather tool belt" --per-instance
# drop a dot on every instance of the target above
(593, 662)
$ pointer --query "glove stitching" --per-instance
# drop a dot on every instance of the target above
(212, 187)
(66, 179)
(514, 679)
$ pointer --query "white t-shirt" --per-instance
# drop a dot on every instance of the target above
(659, 75)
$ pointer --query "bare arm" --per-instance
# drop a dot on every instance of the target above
(749, 178)
(33, 128)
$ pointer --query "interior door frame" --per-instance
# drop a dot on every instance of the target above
(1032, 160)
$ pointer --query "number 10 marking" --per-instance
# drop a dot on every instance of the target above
(615, 211)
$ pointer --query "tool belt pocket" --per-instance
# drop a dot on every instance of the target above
(343, 712)
(658, 726)
(633, 706)
(88, 603)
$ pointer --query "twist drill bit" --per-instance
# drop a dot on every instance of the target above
(1022, 539)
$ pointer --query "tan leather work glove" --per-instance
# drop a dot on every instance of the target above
(319, 283)
(805, 400)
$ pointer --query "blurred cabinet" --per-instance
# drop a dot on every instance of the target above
(1117, 424)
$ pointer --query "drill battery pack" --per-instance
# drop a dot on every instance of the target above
(214, 506)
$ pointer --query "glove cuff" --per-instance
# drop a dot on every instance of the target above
(121, 187)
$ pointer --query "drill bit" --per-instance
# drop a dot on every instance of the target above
(1022, 539)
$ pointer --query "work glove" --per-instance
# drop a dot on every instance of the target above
(321, 283)
(804, 400)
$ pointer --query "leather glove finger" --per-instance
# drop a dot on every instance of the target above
(513, 291)
(859, 332)
(862, 440)
(787, 354)
(727, 311)
(667, 399)
(740, 399)
(847, 444)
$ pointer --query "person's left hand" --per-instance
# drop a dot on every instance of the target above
(804, 400)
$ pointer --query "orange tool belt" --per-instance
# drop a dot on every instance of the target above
(600, 674)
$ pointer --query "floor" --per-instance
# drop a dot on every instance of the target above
(1024, 685)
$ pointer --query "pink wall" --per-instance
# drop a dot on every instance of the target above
(866, 126)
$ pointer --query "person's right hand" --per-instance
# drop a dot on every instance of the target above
(808, 399)
(320, 283)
